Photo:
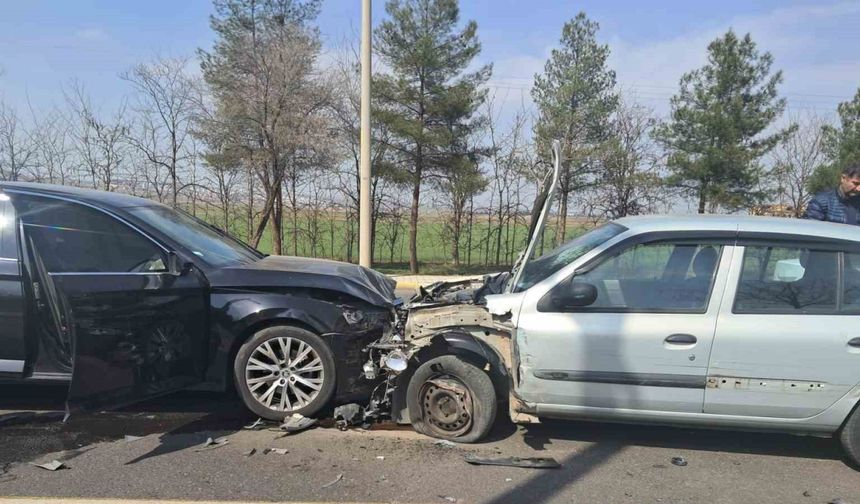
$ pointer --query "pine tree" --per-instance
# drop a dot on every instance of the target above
(575, 97)
(427, 99)
(716, 134)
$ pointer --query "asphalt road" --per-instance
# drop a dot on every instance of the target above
(601, 463)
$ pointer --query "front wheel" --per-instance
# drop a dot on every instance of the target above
(284, 370)
(449, 398)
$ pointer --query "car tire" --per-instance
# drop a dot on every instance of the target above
(252, 383)
(849, 436)
(450, 398)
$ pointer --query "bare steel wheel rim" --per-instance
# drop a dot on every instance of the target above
(447, 406)
(284, 374)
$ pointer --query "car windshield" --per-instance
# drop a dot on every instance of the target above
(215, 248)
(536, 270)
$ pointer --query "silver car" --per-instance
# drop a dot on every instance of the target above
(710, 321)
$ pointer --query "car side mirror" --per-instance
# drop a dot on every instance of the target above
(568, 295)
(176, 266)
(579, 294)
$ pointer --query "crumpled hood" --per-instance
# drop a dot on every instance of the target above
(287, 271)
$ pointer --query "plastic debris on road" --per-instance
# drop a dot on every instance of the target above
(679, 461)
(334, 482)
(128, 438)
(527, 463)
(297, 422)
(53, 465)
(276, 451)
(211, 444)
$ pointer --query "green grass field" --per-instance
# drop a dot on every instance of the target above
(434, 248)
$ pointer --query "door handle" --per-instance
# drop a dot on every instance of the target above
(854, 342)
(688, 339)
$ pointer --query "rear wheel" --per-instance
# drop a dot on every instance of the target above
(450, 398)
(849, 436)
(284, 370)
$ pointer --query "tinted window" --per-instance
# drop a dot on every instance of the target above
(203, 241)
(777, 279)
(536, 270)
(74, 238)
(655, 277)
(8, 245)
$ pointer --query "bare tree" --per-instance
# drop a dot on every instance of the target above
(629, 180)
(795, 161)
(100, 144)
(18, 148)
(166, 99)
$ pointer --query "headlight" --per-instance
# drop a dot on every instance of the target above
(395, 361)
(352, 316)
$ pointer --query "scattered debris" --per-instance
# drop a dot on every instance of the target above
(509, 479)
(348, 415)
(529, 463)
(679, 461)
(250, 452)
(128, 438)
(211, 444)
(258, 424)
(448, 498)
(380, 457)
(51, 466)
(806, 493)
(5, 476)
(276, 451)
(297, 422)
(444, 443)
(839, 500)
(332, 483)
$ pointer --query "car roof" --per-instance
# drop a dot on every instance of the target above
(741, 223)
(92, 196)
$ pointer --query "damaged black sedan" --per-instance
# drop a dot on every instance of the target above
(127, 299)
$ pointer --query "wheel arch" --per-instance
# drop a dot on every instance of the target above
(452, 342)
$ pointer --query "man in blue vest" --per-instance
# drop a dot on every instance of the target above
(841, 204)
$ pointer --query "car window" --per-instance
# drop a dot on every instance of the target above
(851, 283)
(8, 243)
(786, 279)
(655, 277)
(536, 270)
(214, 248)
(73, 238)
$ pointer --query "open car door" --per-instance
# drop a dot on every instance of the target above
(137, 324)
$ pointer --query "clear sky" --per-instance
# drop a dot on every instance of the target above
(45, 44)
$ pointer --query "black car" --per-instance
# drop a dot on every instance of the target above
(129, 299)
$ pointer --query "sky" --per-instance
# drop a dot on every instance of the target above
(44, 45)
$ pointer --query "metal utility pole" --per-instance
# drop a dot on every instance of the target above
(364, 235)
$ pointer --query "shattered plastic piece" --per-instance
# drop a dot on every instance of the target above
(211, 444)
(276, 451)
(509, 479)
(679, 461)
(380, 457)
(332, 483)
(128, 438)
(257, 425)
(444, 443)
(839, 500)
(448, 498)
(250, 452)
(529, 463)
(51, 466)
(806, 493)
(297, 422)
(348, 415)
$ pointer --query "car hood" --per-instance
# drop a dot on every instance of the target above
(286, 271)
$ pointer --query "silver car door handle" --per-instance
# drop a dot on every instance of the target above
(682, 339)
(854, 342)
